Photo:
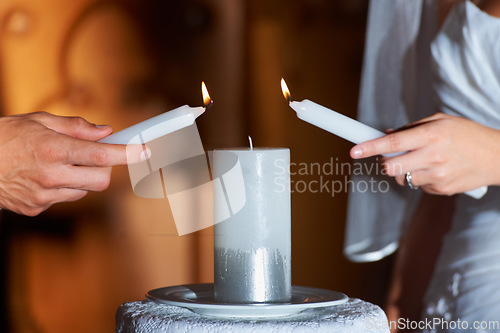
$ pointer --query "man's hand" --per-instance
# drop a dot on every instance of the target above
(45, 159)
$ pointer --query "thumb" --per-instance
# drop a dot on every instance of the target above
(75, 127)
(88, 131)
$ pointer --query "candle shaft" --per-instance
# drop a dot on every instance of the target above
(349, 129)
(156, 127)
(335, 122)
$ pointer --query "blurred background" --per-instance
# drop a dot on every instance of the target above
(120, 62)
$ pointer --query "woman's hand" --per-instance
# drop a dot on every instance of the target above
(445, 154)
(46, 159)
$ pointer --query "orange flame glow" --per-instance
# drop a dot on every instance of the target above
(285, 90)
(207, 101)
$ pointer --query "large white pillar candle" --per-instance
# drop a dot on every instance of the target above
(253, 246)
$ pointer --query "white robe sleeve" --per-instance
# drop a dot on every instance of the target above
(395, 89)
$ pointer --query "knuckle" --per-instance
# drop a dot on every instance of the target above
(438, 158)
(40, 199)
(440, 176)
(394, 143)
(47, 180)
(79, 121)
(432, 136)
(100, 157)
(51, 152)
(444, 190)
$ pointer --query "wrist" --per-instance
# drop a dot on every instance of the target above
(494, 159)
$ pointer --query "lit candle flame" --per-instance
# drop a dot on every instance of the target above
(207, 101)
(285, 90)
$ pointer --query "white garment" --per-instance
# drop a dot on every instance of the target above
(466, 280)
(466, 56)
(395, 90)
(465, 73)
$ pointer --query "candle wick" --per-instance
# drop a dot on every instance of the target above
(208, 105)
(251, 143)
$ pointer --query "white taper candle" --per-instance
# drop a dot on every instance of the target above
(156, 127)
(345, 127)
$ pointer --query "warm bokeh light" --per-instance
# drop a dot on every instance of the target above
(120, 62)
(285, 90)
(207, 101)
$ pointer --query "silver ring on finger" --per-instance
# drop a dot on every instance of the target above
(408, 181)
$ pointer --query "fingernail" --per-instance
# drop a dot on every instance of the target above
(101, 126)
(145, 154)
(356, 152)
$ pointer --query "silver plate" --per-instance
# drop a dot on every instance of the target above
(199, 298)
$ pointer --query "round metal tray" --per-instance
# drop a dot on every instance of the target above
(199, 298)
